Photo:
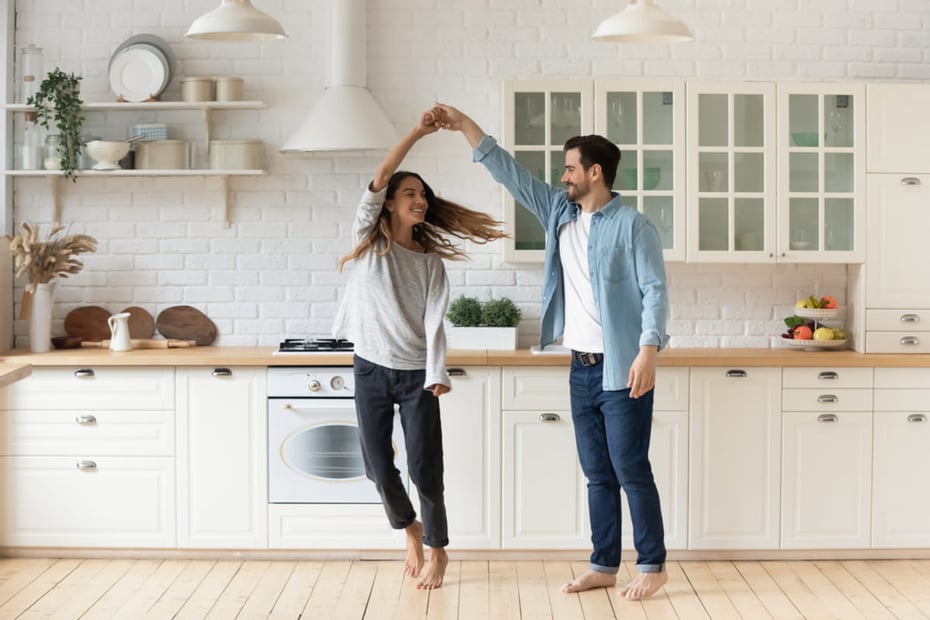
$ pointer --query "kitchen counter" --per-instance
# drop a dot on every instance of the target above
(263, 356)
(11, 372)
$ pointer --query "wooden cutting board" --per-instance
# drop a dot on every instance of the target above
(88, 323)
(141, 322)
(186, 323)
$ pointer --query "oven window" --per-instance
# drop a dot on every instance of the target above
(327, 451)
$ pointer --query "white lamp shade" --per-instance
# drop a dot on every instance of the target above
(642, 22)
(346, 118)
(236, 20)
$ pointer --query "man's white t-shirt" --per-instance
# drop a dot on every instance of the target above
(582, 320)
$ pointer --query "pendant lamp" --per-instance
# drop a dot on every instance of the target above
(236, 20)
(642, 22)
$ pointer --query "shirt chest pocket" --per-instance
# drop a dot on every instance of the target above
(618, 264)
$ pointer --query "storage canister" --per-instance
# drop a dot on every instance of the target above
(197, 89)
(229, 88)
(162, 155)
(151, 131)
(237, 154)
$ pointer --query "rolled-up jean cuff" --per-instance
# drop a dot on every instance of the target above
(607, 570)
(650, 568)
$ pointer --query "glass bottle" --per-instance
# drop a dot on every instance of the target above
(30, 62)
(52, 157)
(33, 151)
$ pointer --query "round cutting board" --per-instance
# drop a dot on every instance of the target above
(186, 323)
(141, 322)
(88, 323)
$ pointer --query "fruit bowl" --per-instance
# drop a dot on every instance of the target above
(814, 345)
(817, 313)
(106, 153)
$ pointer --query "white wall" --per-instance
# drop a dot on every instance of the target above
(273, 273)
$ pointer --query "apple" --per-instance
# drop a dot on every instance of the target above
(828, 301)
(802, 332)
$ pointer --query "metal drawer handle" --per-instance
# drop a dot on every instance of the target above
(827, 398)
(736, 373)
(456, 372)
(917, 417)
(910, 318)
(909, 340)
(827, 417)
(221, 372)
(828, 375)
(85, 419)
(549, 417)
(86, 465)
(910, 181)
(84, 373)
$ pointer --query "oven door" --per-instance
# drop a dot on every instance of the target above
(314, 455)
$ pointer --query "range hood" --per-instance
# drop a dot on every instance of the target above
(346, 118)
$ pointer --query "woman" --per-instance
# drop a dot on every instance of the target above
(393, 311)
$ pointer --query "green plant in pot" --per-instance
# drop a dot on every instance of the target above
(465, 312)
(57, 104)
(488, 325)
(500, 313)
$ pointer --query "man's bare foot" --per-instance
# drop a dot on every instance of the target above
(435, 570)
(415, 561)
(590, 579)
(644, 586)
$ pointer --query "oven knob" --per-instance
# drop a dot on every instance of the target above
(314, 385)
(338, 383)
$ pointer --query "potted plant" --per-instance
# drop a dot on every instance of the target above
(57, 104)
(490, 325)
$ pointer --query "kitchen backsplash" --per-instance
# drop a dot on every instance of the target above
(273, 272)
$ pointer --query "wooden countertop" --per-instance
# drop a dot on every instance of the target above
(13, 371)
(262, 356)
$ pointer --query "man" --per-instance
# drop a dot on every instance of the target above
(605, 293)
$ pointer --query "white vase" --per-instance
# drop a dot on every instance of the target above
(40, 318)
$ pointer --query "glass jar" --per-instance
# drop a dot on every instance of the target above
(32, 150)
(30, 62)
(52, 156)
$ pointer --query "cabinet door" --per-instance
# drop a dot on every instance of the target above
(821, 172)
(899, 218)
(471, 429)
(539, 116)
(731, 171)
(901, 496)
(646, 119)
(222, 458)
(544, 503)
(898, 127)
(826, 479)
(735, 458)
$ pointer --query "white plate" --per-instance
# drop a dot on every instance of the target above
(813, 345)
(155, 41)
(138, 73)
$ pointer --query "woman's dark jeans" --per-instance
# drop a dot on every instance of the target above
(377, 390)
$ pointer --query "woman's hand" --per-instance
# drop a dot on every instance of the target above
(430, 121)
(438, 389)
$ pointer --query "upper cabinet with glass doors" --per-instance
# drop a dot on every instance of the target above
(539, 116)
(731, 171)
(821, 172)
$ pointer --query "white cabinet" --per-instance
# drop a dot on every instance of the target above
(901, 495)
(898, 128)
(88, 458)
(735, 458)
(544, 493)
(826, 458)
(471, 430)
(668, 455)
(222, 458)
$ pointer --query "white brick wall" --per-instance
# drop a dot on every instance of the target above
(273, 273)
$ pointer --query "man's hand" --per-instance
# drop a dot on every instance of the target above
(438, 389)
(643, 372)
(454, 120)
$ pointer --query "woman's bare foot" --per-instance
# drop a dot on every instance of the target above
(590, 579)
(435, 570)
(415, 561)
(644, 586)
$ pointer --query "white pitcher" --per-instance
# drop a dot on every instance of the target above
(119, 332)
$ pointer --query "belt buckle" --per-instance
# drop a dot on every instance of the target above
(587, 359)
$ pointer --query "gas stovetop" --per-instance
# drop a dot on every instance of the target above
(313, 345)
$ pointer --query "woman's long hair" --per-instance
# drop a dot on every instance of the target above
(442, 217)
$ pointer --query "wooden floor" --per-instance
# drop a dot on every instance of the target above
(474, 590)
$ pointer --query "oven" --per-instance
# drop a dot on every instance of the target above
(314, 456)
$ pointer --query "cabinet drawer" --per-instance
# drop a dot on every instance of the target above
(671, 389)
(533, 388)
(897, 342)
(902, 377)
(903, 400)
(905, 319)
(72, 433)
(826, 399)
(123, 502)
(827, 378)
(92, 388)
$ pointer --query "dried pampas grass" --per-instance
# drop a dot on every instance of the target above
(53, 257)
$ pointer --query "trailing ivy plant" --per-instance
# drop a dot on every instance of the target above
(58, 100)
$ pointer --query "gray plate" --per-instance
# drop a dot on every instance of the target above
(157, 42)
